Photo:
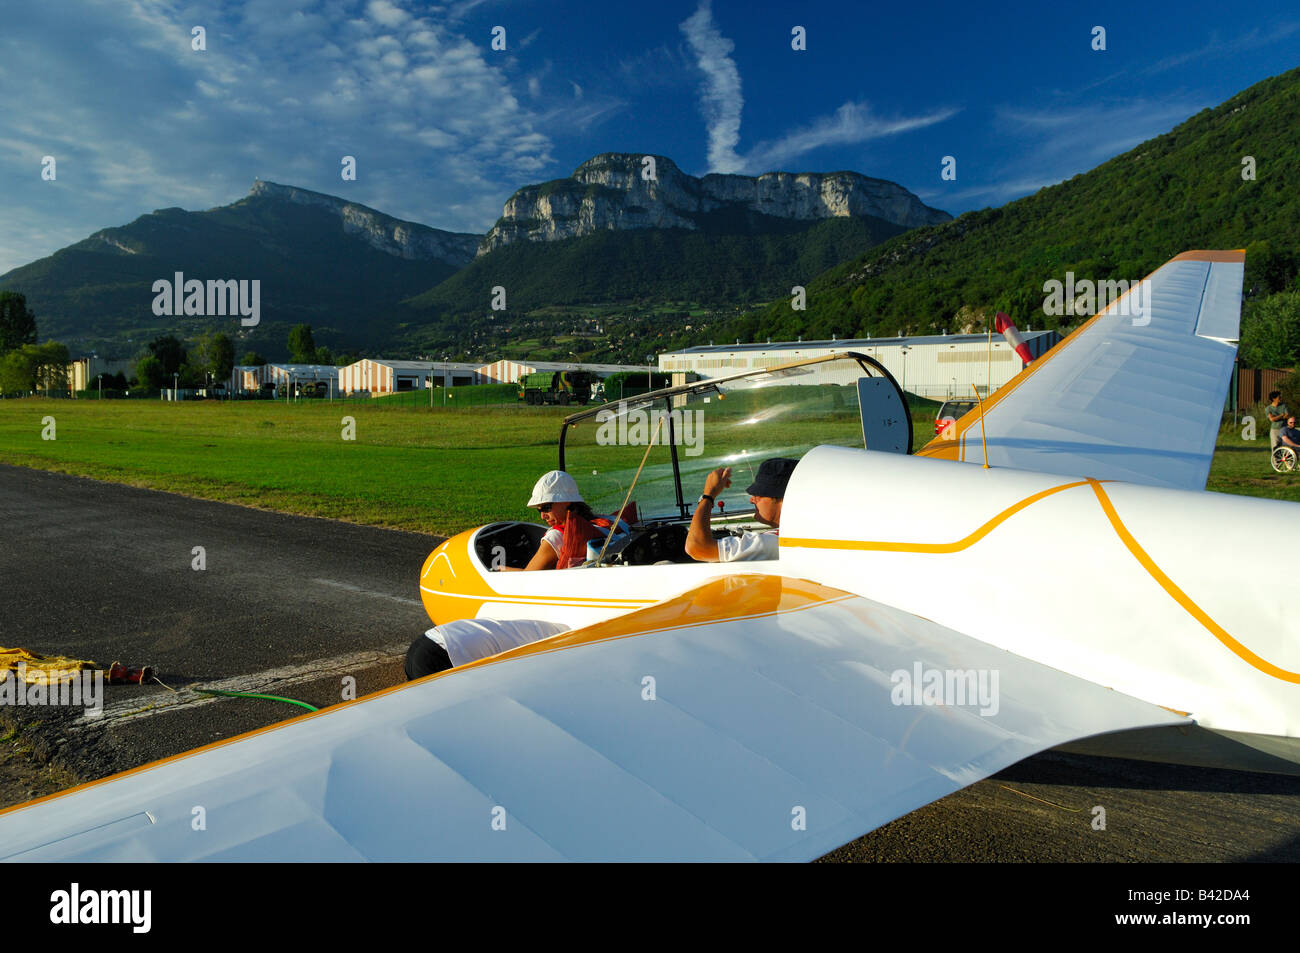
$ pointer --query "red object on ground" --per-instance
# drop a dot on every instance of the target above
(119, 674)
(1009, 331)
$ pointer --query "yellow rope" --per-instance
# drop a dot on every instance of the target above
(1072, 810)
(644, 457)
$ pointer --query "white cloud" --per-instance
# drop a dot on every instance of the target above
(993, 194)
(852, 123)
(721, 98)
(656, 68)
(1050, 145)
(582, 114)
(138, 120)
(386, 14)
(1094, 132)
(722, 102)
(458, 11)
(1254, 38)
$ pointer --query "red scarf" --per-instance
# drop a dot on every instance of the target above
(576, 533)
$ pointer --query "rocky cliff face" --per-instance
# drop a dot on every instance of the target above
(391, 235)
(611, 191)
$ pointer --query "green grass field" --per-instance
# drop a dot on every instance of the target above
(436, 471)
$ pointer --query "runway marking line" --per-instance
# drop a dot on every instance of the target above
(264, 682)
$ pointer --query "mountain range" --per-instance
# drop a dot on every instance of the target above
(320, 259)
(622, 191)
(365, 280)
(629, 254)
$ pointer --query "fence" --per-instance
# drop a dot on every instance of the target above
(1254, 383)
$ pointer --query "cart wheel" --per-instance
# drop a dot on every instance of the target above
(1284, 459)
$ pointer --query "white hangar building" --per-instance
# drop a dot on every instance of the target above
(378, 376)
(936, 366)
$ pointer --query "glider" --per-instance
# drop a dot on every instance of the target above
(775, 710)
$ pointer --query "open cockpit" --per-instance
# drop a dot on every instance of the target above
(647, 457)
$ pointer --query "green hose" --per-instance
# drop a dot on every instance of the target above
(274, 698)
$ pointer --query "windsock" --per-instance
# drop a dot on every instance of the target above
(1012, 334)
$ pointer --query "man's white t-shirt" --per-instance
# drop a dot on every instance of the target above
(749, 546)
(468, 639)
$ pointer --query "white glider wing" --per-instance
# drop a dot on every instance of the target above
(754, 717)
(1136, 394)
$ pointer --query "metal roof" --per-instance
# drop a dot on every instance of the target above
(575, 366)
(851, 343)
(420, 365)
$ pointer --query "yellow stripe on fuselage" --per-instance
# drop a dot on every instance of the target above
(1126, 537)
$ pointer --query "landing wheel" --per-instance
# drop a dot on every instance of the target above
(1284, 459)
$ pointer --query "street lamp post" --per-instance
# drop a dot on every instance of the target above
(649, 370)
(101, 386)
(175, 386)
(904, 349)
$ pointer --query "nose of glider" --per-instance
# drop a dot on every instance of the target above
(451, 586)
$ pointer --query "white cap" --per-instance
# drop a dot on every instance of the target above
(555, 487)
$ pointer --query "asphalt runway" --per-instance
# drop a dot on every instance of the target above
(298, 607)
(105, 572)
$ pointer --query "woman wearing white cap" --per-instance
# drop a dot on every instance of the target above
(556, 496)
(455, 643)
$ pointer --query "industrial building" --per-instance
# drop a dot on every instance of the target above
(378, 376)
(253, 378)
(936, 366)
(83, 373)
(509, 372)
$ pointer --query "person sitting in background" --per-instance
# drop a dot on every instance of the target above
(1289, 435)
(572, 524)
(767, 493)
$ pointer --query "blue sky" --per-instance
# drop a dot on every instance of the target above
(444, 128)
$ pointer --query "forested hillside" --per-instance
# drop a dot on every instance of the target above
(1228, 177)
(733, 259)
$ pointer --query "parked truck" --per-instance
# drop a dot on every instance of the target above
(557, 387)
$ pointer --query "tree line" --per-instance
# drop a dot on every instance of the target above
(28, 367)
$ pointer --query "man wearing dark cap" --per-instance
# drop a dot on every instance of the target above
(766, 493)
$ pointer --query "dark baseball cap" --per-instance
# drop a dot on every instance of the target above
(772, 477)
